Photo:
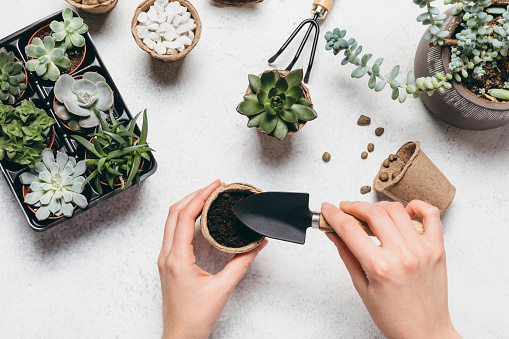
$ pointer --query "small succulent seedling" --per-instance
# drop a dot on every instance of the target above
(116, 152)
(48, 59)
(277, 104)
(55, 185)
(475, 45)
(77, 100)
(69, 31)
(24, 132)
(12, 77)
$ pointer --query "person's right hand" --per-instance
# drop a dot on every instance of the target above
(402, 282)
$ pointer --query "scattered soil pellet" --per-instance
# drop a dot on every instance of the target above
(391, 157)
(326, 157)
(363, 120)
(364, 155)
(386, 163)
(379, 131)
(395, 174)
(384, 176)
(365, 189)
(371, 147)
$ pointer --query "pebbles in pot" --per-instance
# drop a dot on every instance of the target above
(166, 28)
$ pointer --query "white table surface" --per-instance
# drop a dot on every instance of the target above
(96, 275)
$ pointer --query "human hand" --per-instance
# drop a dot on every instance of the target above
(193, 299)
(403, 282)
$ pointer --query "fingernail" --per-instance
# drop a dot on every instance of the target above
(326, 206)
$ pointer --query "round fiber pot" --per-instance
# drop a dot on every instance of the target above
(419, 179)
(457, 106)
(216, 211)
(305, 92)
(237, 2)
(101, 8)
(144, 7)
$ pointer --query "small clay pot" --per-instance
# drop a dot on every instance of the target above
(236, 187)
(144, 7)
(237, 2)
(24, 191)
(101, 8)
(457, 106)
(305, 92)
(419, 179)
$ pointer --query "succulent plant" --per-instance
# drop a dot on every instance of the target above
(77, 100)
(24, 132)
(48, 59)
(55, 185)
(12, 77)
(277, 104)
(69, 31)
(116, 152)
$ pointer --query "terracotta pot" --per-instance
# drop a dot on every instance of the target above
(236, 187)
(305, 92)
(419, 179)
(457, 106)
(102, 8)
(24, 191)
(144, 7)
(41, 35)
(237, 3)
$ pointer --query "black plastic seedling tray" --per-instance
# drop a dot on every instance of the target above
(41, 93)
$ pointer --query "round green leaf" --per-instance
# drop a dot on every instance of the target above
(268, 80)
(268, 123)
(262, 97)
(282, 85)
(250, 108)
(294, 78)
(281, 130)
(295, 91)
(304, 113)
(255, 82)
(289, 116)
(254, 120)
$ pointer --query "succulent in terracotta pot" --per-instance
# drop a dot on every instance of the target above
(48, 60)
(13, 79)
(277, 103)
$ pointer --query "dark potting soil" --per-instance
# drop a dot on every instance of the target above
(224, 226)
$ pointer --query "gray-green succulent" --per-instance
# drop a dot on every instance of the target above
(47, 58)
(69, 31)
(277, 104)
(78, 100)
(476, 44)
(12, 77)
(55, 185)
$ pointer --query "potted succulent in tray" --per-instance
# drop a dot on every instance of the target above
(55, 185)
(13, 79)
(58, 47)
(25, 132)
(115, 155)
(462, 56)
(277, 103)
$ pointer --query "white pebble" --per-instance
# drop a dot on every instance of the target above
(174, 5)
(152, 14)
(161, 19)
(142, 31)
(184, 40)
(181, 9)
(171, 44)
(164, 27)
(172, 51)
(159, 8)
(159, 48)
(171, 35)
(181, 48)
(142, 17)
(162, 3)
(176, 20)
(184, 28)
(185, 17)
(153, 27)
(149, 43)
(154, 36)
(190, 34)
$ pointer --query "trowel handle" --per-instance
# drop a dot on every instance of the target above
(327, 4)
(321, 8)
(324, 226)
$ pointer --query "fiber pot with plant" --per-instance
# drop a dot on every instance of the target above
(277, 103)
(462, 56)
(219, 224)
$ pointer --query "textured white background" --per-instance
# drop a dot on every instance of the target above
(96, 276)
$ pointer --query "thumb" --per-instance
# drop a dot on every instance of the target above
(238, 266)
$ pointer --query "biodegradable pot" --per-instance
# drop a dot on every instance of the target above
(24, 191)
(236, 187)
(419, 179)
(305, 92)
(237, 3)
(102, 8)
(457, 106)
(144, 7)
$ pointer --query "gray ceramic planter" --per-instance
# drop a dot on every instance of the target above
(457, 106)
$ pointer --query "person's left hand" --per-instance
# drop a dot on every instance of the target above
(193, 299)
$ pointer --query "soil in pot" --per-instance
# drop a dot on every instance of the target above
(76, 55)
(224, 226)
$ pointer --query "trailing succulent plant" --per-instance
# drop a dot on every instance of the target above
(69, 31)
(78, 100)
(24, 133)
(116, 153)
(12, 77)
(48, 59)
(277, 104)
(55, 185)
(475, 45)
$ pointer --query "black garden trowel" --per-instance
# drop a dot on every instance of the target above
(286, 216)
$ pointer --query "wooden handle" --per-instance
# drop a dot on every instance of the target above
(327, 4)
(324, 226)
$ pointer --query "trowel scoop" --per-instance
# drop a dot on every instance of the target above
(286, 216)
